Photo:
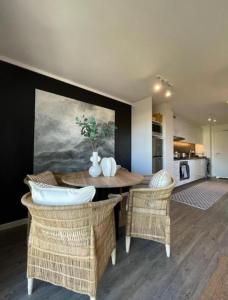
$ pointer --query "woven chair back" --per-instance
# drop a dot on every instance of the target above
(151, 200)
(67, 229)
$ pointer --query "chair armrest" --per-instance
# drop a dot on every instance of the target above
(118, 195)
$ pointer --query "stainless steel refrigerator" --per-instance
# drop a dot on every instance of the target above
(157, 163)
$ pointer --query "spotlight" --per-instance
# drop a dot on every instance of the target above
(162, 83)
(157, 87)
(158, 84)
(168, 94)
(212, 119)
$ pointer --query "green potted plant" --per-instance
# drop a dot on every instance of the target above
(95, 131)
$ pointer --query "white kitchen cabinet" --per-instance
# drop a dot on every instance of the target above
(192, 167)
(203, 168)
(190, 132)
(195, 169)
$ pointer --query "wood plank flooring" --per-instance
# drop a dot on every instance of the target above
(198, 238)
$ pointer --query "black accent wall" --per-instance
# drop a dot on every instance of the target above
(17, 96)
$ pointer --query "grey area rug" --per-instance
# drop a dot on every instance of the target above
(202, 195)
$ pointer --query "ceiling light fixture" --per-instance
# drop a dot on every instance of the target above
(211, 119)
(168, 93)
(157, 87)
(163, 84)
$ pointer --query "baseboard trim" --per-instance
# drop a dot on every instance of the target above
(13, 224)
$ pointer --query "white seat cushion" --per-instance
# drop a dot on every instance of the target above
(160, 179)
(56, 195)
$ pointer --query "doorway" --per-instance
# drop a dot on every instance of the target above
(220, 154)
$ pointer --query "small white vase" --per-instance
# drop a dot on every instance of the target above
(108, 166)
(95, 169)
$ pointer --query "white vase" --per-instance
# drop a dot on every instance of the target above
(95, 169)
(108, 166)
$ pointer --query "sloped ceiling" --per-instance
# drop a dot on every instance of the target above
(119, 46)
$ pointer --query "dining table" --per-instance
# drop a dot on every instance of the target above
(122, 179)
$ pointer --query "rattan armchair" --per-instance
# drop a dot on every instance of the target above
(148, 215)
(46, 177)
(70, 246)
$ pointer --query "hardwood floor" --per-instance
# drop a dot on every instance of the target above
(198, 238)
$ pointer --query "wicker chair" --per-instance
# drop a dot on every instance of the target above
(124, 201)
(70, 246)
(46, 177)
(148, 215)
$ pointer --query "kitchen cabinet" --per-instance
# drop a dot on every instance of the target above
(197, 170)
(203, 168)
(190, 132)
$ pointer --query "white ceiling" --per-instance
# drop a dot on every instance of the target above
(119, 46)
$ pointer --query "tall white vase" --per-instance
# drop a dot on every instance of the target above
(95, 169)
(108, 166)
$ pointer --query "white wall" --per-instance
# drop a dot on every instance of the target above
(166, 110)
(141, 145)
(206, 140)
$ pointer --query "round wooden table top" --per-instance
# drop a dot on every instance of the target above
(123, 178)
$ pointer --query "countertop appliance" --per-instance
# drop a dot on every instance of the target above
(157, 161)
(176, 154)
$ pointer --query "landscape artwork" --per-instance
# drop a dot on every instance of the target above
(58, 143)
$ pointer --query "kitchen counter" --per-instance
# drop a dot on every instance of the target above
(197, 169)
(191, 158)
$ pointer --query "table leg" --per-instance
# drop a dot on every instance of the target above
(116, 213)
